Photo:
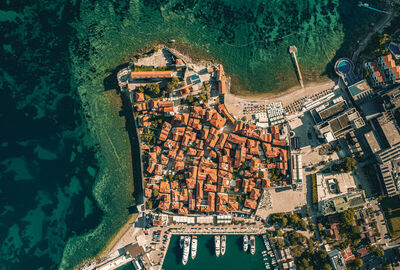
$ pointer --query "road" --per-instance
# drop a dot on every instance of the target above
(376, 28)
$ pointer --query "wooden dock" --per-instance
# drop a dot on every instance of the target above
(293, 51)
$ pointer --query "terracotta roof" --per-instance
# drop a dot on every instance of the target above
(222, 85)
(249, 203)
(217, 120)
(139, 96)
(233, 138)
(151, 74)
(179, 166)
(164, 187)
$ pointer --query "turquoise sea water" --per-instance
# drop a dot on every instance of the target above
(234, 258)
(66, 176)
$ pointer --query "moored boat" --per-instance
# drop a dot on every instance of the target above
(223, 244)
(194, 247)
(245, 243)
(186, 250)
(217, 240)
(252, 245)
(181, 241)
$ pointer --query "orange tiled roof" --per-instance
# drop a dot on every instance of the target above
(249, 203)
(179, 166)
(233, 138)
(139, 96)
(148, 192)
(222, 85)
(255, 194)
(150, 74)
(217, 120)
(209, 187)
(164, 187)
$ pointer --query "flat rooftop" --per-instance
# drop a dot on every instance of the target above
(332, 110)
(391, 133)
(372, 142)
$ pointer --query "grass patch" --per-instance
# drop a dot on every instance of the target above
(391, 211)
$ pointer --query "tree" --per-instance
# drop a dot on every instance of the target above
(149, 204)
(358, 262)
(189, 99)
(327, 266)
(347, 217)
(297, 251)
(379, 252)
(355, 229)
(155, 193)
(284, 221)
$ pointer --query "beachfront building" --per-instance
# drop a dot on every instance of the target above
(374, 74)
(389, 68)
(360, 92)
(335, 119)
(383, 71)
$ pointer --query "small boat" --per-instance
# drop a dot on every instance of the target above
(245, 243)
(223, 244)
(217, 240)
(186, 250)
(252, 245)
(181, 241)
(194, 247)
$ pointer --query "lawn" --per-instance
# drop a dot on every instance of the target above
(391, 209)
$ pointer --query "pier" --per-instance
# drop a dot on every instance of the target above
(293, 51)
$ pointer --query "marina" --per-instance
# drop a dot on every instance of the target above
(234, 258)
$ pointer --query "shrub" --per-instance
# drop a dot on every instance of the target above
(314, 188)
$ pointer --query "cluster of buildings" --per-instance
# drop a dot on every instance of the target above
(213, 170)
(383, 71)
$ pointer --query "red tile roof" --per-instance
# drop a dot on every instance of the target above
(150, 74)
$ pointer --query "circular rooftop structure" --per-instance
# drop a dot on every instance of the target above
(344, 67)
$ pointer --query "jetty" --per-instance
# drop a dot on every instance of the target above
(293, 51)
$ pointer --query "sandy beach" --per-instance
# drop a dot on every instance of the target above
(235, 103)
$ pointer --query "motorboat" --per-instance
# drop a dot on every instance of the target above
(186, 250)
(217, 240)
(223, 244)
(194, 247)
(181, 241)
(245, 243)
(252, 245)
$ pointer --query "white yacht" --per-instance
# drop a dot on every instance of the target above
(223, 244)
(186, 250)
(181, 241)
(245, 243)
(217, 240)
(252, 245)
(194, 247)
